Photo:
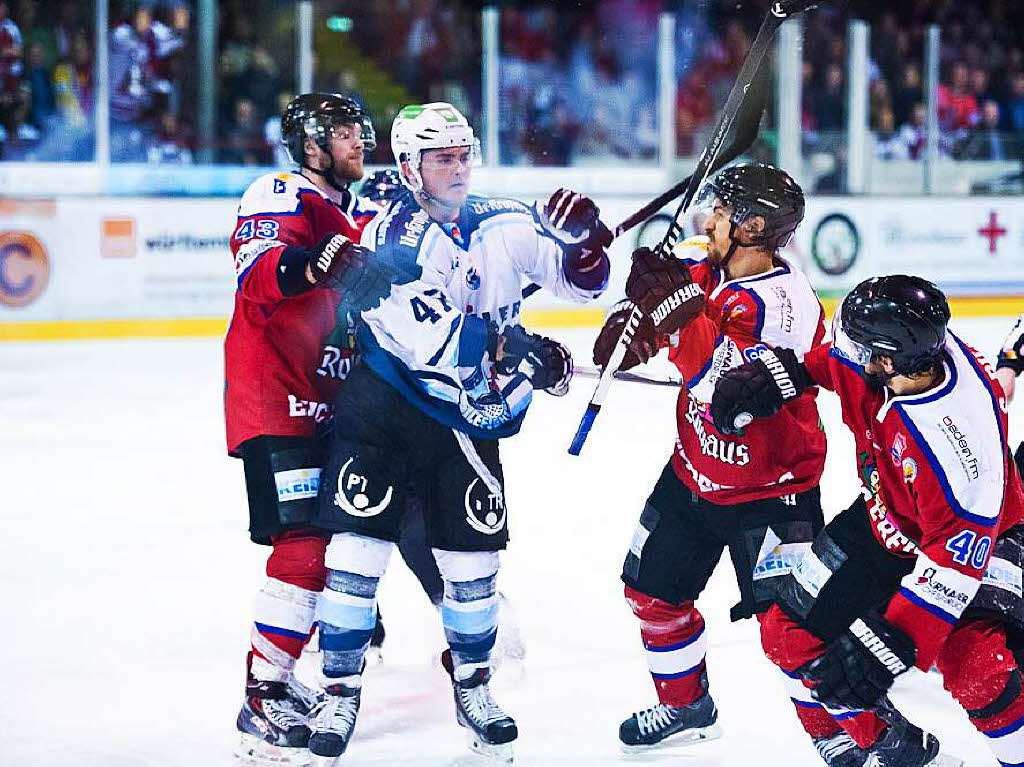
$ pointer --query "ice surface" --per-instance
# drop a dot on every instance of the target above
(127, 579)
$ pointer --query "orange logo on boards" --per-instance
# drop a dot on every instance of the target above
(24, 268)
(117, 238)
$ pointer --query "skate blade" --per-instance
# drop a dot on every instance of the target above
(258, 753)
(498, 752)
(680, 740)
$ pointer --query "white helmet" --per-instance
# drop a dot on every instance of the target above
(429, 126)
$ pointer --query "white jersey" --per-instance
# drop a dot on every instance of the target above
(429, 336)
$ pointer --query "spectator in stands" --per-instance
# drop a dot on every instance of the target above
(170, 143)
(830, 104)
(879, 104)
(13, 94)
(981, 87)
(913, 136)
(1015, 103)
(958, 109)
(73, 83)
(272, 133)
(888, 143)
(908, 92)
(243, 142)
(131, 83)
(987, 141)
(40, 84)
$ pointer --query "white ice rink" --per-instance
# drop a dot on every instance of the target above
(126, 577)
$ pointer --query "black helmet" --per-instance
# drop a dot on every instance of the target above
(760, 190)
(897, 316)
(383, 186)
(315, 115)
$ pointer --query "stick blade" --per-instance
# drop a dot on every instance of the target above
(584, 429)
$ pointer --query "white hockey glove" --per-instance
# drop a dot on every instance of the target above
(1012, 354)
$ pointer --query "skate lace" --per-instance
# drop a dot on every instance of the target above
(479, 705)
(336, 714)
(282, 714)
(655, 718)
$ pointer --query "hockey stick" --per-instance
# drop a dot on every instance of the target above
(778, 13)
(747, 122)
(586, 371)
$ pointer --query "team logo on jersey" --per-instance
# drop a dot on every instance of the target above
(909, 470)
(358, 504)
(485, 511)
(898, 446)
(24, 268)
(473, 278)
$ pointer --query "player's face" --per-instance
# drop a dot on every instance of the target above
(717, 227)
(446, 173)
(346, 148)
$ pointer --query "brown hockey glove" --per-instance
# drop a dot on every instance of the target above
(664, 290)
(644, 344)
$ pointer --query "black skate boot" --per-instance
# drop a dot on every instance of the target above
(490, 730)
(684, 725)
(840, 750)
(904, 744)
(332, 723)
(273, 726)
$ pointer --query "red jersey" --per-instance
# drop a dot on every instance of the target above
(274, 342)
(939, 482)
(776, 456)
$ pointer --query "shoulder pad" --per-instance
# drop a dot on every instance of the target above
(485, 207)
(274, 193)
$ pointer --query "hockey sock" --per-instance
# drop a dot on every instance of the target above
(675, 644)
(980, 671)
(284, 607)
(469, 609)
(347, 609)
(788, 645)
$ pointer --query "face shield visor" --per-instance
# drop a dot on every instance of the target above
(344, 129)
(846, 347)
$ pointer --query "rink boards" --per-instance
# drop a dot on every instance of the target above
(113, 267)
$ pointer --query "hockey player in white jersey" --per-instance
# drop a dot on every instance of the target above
(447, 372)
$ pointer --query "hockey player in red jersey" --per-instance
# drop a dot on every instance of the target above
(1010, 363)
(725, 298)
(925, 567)
(296, 257)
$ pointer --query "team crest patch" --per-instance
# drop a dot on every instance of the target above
(485, 511)
(355, 495)
(899, 444)
(473, 278)
(909, 470)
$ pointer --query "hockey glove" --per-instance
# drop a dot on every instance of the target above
(547, 363)
(860, 666)
(643, 346)
(353, 271)
(757, 389)
(664, 290)
(573, 220)
(1012, 354)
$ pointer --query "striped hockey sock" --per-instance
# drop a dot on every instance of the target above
(282, 625)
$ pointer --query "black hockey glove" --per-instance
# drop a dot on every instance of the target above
(341, 265)
(664, 290)
(860, 666)
(1012, 354)
(642, 348)
(547, 363)
(757, 389)
(574, 220)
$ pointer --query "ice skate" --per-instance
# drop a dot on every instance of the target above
(903, 744)
(272, 725)
(841, 750)
(663, 726)
(332, 724)
(490, 730)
